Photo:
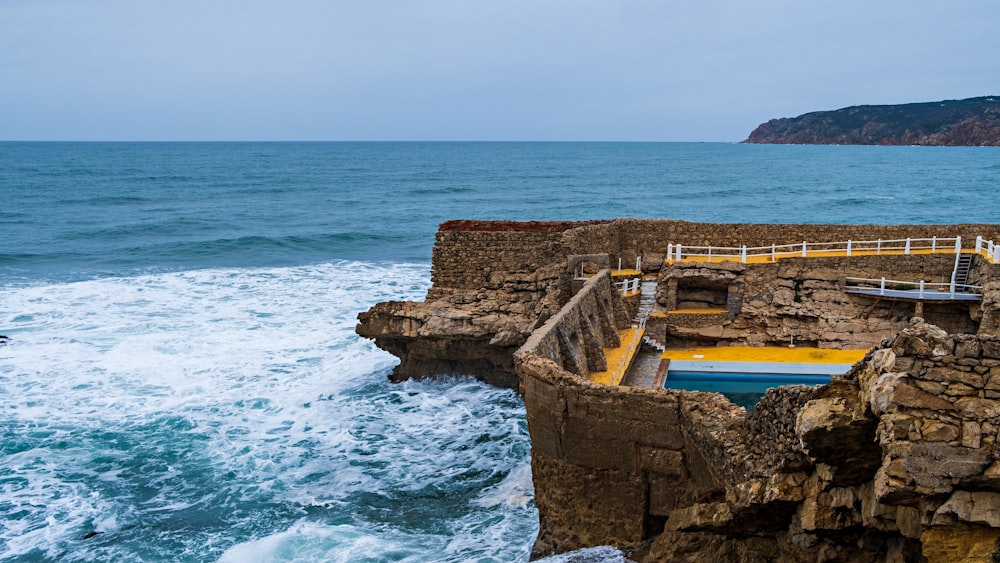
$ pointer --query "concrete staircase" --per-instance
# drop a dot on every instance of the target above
(647, 300)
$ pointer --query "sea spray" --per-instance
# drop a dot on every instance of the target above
(202, 414)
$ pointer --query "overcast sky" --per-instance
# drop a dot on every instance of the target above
(643, 70)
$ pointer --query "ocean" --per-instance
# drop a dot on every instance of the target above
(182, 381)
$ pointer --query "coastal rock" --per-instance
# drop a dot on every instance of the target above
(895, 461)
(968, 122)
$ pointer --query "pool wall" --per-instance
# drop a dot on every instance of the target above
(787, 368)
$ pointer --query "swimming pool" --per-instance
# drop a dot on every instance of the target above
(744, 373)
(742, 389)
(744, 383)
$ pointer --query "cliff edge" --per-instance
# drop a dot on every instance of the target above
(897, 460)
(969, 122)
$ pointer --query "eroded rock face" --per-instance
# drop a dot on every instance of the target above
(881, 465)
(466, 332)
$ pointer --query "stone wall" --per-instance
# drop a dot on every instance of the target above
(576, 336)
(803, 300)
(897, 461)
(467, 253)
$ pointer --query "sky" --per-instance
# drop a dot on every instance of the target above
(543, 70)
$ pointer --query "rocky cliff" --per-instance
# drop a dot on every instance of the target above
(896, 461)
(969, 122)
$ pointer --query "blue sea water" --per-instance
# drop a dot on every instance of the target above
(182, 380)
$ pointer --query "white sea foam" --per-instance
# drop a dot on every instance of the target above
(602, 554)
(183, 415)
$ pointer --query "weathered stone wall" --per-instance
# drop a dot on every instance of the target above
(803, 300)
(576, 336)
(467, 252)
(898, 461)
(465, 260)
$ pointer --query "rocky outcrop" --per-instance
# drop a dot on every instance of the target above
(466, 332)
(897, 461)
(969, 122)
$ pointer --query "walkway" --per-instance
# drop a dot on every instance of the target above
(620, 358)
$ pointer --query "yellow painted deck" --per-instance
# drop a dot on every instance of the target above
(626, 273)
(614, 357)
(767, 354)
(705, 311)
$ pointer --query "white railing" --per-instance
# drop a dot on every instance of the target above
(638, 263)
(632, 347)
(987, 248)
(628, 286)
(774, 252)
(919, 287)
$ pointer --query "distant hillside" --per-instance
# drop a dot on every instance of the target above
(970, 122)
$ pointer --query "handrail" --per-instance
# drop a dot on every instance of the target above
(903, 285)
(933, 245)
(628, 286)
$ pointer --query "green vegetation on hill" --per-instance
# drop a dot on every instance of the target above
(969, 122)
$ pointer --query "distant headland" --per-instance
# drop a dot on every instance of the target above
(970, 122)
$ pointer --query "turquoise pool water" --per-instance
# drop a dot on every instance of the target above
(744, 389)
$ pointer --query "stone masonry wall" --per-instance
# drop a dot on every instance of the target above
(575, 337)
(467, 253)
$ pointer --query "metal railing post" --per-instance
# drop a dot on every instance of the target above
(710, 254)
(921, 288)
(803, 249)
(744, 254)
(680, 254)
(774, 256)
(881, 290)
(933, 244)
(958, 245)
(906, 251)
(979, 243)
(878, 248)
(848, 248)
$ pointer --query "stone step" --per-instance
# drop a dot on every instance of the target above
(652, 342)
